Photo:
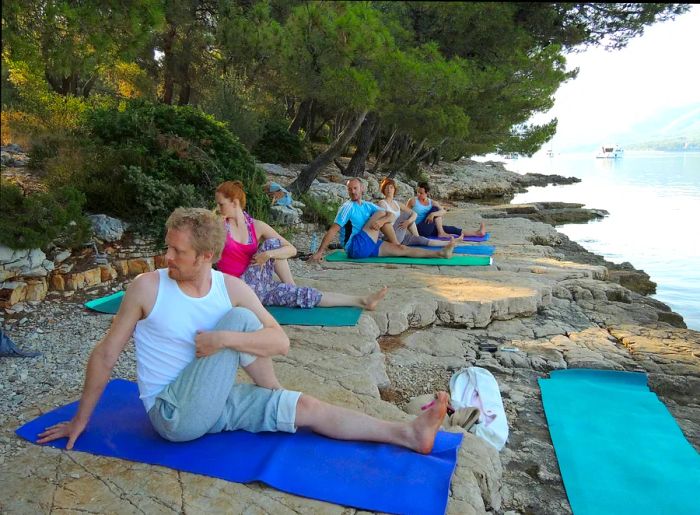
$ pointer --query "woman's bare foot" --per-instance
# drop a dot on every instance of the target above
(424, 428)
(370, 302)
(482, 230)
(448, 249)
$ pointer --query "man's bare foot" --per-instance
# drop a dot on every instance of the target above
(370, 302)
(426, 425)
(443, 234)
(448, 249)
(482, 230)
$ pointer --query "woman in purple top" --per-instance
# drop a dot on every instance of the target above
(429, 217)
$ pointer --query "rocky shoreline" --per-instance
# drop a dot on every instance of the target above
(559, 305)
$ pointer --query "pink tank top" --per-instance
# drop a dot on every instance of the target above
(236, 256)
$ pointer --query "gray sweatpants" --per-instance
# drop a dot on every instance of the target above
(206, 399)
(403, 236)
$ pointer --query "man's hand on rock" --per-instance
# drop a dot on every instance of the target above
(72, 430)
(316, 257)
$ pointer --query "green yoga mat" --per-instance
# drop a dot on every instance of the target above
(336, 316)
(455, 260)
(619, 449)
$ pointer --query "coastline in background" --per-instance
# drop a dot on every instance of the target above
(654, 204)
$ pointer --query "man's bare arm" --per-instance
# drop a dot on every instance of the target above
(286, 250)
(271, 340)
(327, 238)
(102, 360)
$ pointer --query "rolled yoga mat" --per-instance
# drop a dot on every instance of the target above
(619, 449)
(474, 250)
(455, 260)
(470, 238)
(335, 316)
(367, 476)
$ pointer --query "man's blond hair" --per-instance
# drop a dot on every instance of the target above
(207, 231)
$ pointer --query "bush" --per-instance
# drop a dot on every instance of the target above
(144, 161)
(318, 212)
(278, 145)
(35, 221)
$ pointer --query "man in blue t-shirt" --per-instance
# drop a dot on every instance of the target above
(367, 221)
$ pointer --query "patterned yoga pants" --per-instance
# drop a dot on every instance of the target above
(273, 293)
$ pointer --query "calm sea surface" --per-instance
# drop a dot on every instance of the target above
(654, 222)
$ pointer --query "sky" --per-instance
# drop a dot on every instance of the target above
(616, 89)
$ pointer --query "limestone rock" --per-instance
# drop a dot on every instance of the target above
(285, 215)
(107, 228)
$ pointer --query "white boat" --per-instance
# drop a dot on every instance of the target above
(610, 152)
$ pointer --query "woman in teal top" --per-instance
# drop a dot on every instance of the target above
(429, 217)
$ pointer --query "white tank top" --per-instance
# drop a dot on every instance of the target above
(396, 212)
(165, 338)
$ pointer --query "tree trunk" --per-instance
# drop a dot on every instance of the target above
(300, 118)
(169, 66)
(408, 161)
(368, 133)
(89, 85)
(54, 82)
(385, 150)
(185, 92)
(303, 182)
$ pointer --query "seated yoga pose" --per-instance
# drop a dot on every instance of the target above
(429, 217)
(404, 222)
(193, 327)
(368, 221)
(253, 251)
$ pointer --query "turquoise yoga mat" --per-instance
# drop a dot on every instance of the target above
(336, 316)
(619, 449)
(455, 260)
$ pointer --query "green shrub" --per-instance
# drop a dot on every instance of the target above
(278, 145)
(318, 212)
(148, 159)
(35, 221)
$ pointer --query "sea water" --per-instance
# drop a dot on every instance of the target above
(654, 203)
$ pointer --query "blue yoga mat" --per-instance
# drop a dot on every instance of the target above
(368, 476)
(619, 449)
(473, 250)
(335, 316)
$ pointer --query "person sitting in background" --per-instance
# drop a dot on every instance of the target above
(367, 221)
(278, 195)
(254, 250)
(429, 215)
(404, 223)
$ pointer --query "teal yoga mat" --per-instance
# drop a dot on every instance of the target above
(455, 260)
(109, 304)
(336, 316)
(619, 449)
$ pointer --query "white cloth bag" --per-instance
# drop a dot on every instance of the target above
(476, 387)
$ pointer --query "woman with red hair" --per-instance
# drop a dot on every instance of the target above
(254, 250)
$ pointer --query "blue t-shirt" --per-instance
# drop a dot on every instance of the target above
(357, 215)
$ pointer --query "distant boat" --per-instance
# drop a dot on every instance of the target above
(610, 152)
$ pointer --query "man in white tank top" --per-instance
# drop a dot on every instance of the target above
(192, 327)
